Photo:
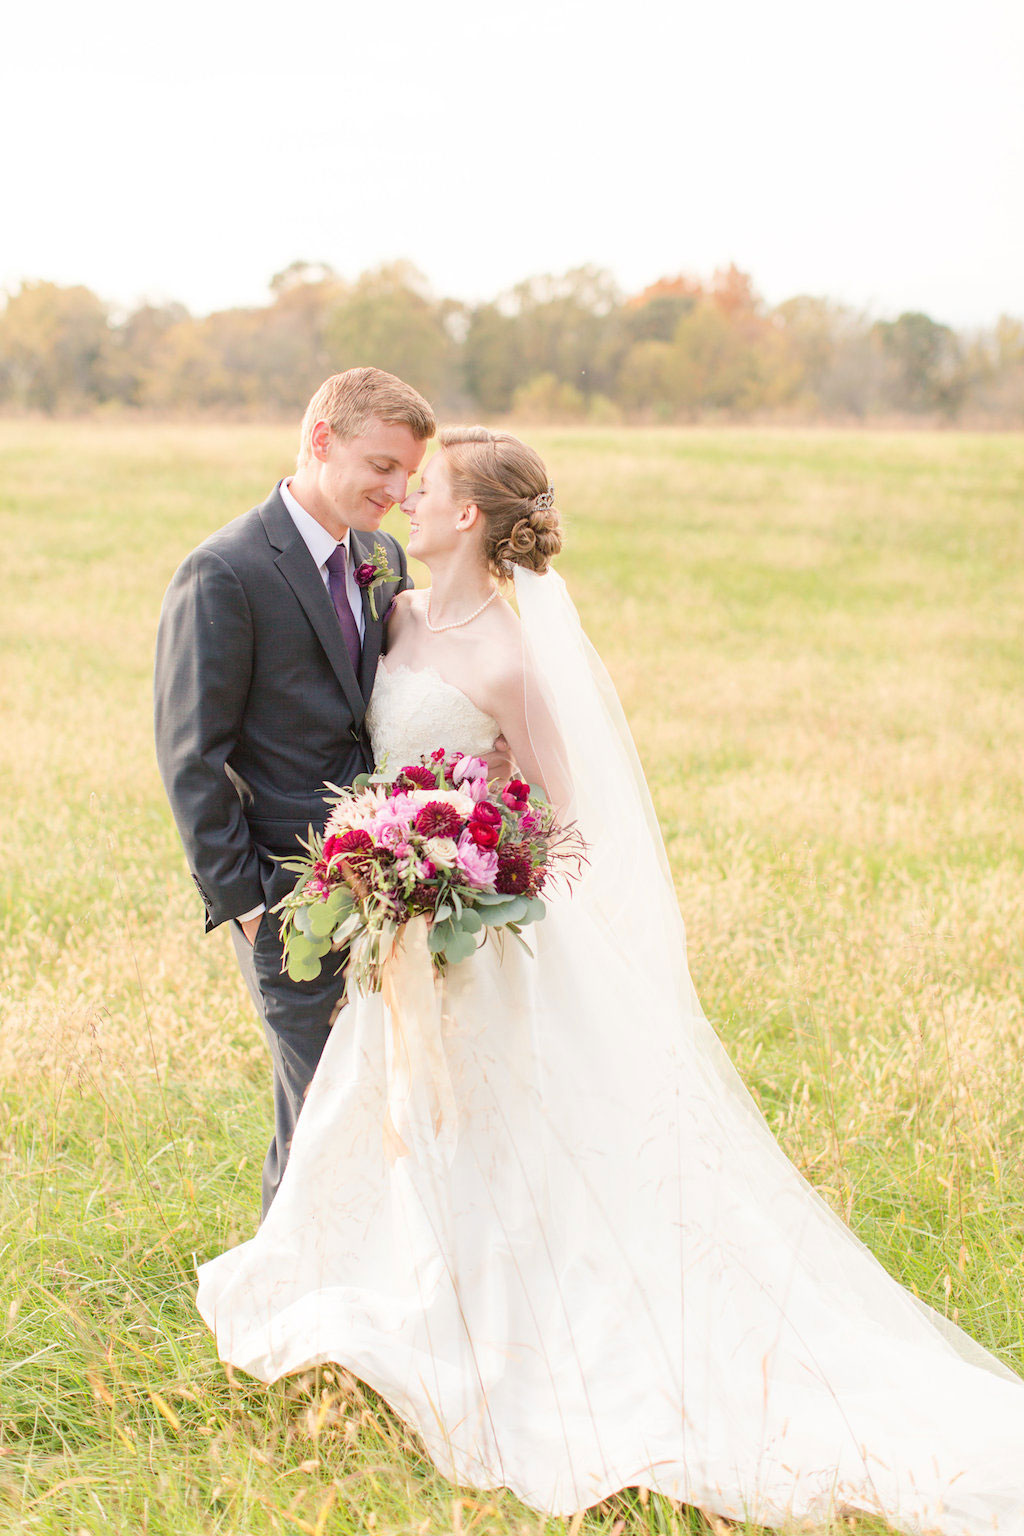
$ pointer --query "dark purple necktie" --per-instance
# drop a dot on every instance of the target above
(339, 596)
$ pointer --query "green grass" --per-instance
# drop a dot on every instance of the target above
(817, 640)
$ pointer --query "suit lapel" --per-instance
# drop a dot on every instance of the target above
(361, 545)
(295, 563)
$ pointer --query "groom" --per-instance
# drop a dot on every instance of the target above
(266, 655)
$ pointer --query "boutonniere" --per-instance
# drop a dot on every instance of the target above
(373, 573)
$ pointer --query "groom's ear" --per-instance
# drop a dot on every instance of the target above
(320, 440)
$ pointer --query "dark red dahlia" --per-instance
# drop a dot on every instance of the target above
(353, 844)
(422, 897)
(438, 819)
(515, 875)
(417, 777)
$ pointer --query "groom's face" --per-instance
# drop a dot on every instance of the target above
(363, 478)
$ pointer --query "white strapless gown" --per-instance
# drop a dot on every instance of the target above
(579, 1299)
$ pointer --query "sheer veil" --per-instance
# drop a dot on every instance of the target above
(627, 902)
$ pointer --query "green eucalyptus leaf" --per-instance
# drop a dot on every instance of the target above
(348, 929)
(304, 922)
(324, 916)
(304, 969)
(439, 937)
(511, 910)
(470, 921)
(459, 947)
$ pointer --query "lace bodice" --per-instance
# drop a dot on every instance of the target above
(413, 710)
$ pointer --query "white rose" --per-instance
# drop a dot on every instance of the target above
(441, 850)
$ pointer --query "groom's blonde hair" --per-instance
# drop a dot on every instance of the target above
(349, 401)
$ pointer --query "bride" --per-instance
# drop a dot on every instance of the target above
(601, 1270)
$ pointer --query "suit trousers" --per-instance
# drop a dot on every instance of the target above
(296, 1018)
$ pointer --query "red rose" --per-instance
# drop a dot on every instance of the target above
(516, 795)
(485, 814)
(365, 573)
(483, 834)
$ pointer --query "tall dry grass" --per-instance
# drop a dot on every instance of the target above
(817, 640)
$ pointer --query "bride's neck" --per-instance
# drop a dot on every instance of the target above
(457, 586)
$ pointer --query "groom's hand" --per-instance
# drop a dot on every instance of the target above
(499, 762)
(251, 927)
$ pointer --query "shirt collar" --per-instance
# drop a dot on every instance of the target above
(318, 541)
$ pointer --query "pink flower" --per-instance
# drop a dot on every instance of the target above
(437, 756)
(472, 768)
(478, 865)
(528, 820)
(390, 825)
(516, 795)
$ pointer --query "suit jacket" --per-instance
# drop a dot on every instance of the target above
(257, 703)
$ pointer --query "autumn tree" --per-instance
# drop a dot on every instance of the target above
(926, 363)
(55, 348)
(389, 319)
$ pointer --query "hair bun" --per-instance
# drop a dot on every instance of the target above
(522, 538)
(509, 484)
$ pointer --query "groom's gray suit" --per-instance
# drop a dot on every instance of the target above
(257, 705)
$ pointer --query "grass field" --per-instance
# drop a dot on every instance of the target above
(817, 637)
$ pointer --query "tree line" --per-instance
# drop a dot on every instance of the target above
(562, 349)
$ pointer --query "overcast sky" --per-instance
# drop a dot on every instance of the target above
(873, 152)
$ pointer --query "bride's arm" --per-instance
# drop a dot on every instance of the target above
(534, 743)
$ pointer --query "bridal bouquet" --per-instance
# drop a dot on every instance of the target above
(428, 840)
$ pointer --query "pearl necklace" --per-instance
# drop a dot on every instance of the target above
(436, 629)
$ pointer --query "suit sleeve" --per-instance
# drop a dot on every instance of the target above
(203, 670)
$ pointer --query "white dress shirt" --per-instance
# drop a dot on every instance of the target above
(321, 546)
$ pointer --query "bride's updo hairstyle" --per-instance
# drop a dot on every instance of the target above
(509, 483)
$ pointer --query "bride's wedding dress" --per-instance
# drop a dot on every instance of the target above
(600, 1270)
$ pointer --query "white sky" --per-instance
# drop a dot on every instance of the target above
(873, 152)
